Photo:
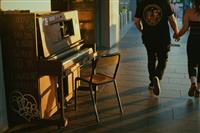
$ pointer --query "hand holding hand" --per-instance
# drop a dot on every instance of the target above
(176, 37)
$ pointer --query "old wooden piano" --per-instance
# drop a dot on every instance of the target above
(42, 54)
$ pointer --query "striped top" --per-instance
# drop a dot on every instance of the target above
(194, 28)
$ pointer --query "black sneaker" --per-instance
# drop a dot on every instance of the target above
(156, 85)
(192, 89)
(150, 87)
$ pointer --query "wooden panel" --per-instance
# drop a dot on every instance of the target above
(48, 96)
(20, 64)
(28, 96)
(59, 31)
(50, 30)
(71, 75)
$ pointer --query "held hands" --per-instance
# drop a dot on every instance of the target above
(176, 36)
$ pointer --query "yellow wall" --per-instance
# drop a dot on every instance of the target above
(32, 5)
(114, 22)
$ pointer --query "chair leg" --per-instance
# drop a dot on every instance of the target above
(94, 104)
(118, 97)
(95, 93)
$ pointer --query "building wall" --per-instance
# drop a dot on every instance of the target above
(3, 113)
(109, 23)
(114, 22)
(32, 5)
(132, 7)
(104, 24)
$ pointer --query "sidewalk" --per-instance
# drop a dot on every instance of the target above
(171, 112)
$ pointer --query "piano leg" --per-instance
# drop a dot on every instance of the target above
(64, 121)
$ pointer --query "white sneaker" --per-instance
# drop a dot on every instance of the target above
(156, 85)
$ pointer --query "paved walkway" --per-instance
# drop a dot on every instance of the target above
(171, 112)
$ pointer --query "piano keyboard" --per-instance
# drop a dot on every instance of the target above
(81, 57)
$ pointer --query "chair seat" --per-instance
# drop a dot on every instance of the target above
(98, 79)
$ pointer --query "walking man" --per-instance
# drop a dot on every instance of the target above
(151, 19)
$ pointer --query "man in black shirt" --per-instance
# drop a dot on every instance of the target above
(151, 19)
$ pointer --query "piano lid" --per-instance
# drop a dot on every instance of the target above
(59, 32)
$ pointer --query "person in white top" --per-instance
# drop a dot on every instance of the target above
(191, 22)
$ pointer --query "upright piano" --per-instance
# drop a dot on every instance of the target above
(42, 55)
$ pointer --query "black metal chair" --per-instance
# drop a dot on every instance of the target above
(99, 78)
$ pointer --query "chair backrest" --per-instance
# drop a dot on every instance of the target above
(107, 64)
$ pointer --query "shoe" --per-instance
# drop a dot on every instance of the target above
(192, 89)
(156, 85)
(150, 87)
(197, 93)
